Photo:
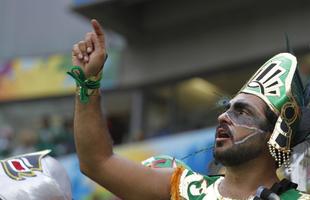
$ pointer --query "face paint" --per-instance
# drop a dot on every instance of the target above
(246, 126)
(254, 130)
(242, 118)
(247, 137)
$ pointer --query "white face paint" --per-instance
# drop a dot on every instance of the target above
(254, 130)
(247, 137)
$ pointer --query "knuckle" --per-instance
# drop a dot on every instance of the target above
(81, 43)
(82, 46)
(75, 46)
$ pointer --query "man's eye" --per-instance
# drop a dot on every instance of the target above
(242, 112)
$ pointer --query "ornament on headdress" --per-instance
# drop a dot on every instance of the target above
(278, 84)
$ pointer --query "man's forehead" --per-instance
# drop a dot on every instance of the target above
(249, 100)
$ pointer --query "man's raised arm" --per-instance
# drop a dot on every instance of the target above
(122, 177)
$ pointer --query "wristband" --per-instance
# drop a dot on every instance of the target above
(85, 86)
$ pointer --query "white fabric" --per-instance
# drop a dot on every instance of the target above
(300, 166)
(52, 183)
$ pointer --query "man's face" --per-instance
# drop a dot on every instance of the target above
(240, 136)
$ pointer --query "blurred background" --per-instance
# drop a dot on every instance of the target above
(172, 63)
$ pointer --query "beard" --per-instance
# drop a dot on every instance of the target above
(242, 152)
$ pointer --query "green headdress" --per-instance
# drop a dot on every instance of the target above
(278, 84)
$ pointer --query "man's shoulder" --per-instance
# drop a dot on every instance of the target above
(293, 194)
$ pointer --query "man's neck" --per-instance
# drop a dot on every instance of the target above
(243, 180)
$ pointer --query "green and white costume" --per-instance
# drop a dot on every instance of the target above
(188, 185)
(193, 186)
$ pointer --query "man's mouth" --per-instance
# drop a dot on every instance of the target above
(223, 133)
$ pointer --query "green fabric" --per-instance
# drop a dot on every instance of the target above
(200, 183)
(211, 179)
(85, 84)
(194, 180)
(291, 195)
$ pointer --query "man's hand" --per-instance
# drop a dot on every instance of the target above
(90, 53)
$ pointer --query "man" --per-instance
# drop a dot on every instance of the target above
(33, 176)
(254, 120)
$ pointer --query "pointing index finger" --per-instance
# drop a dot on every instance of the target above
(97, 27)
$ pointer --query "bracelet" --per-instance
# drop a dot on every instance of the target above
(85, 86)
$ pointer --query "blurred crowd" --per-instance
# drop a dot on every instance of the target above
(45, 134)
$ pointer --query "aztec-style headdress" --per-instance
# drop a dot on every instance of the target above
(278, 84)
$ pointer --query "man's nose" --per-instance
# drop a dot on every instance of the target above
(224, 118)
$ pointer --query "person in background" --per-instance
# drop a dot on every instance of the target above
(254, 137)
